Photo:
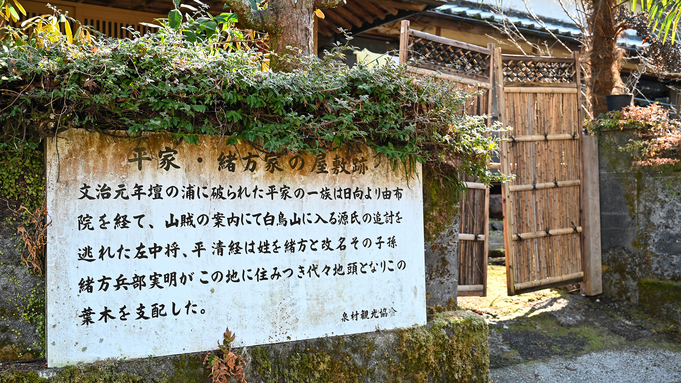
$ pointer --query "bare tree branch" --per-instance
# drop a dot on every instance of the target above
(260, 20)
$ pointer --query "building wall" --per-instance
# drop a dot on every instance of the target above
(640, 230)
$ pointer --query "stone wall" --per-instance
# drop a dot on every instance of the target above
(453, 347)
(640, 229)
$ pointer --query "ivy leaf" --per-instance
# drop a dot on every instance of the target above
(175, 18)
(319, 13)
(177, 3)
(254, 5)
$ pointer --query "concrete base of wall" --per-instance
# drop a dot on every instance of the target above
(453, 347)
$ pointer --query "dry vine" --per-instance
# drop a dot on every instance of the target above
(34, 236)
(225, 363)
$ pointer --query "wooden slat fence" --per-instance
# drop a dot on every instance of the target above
(541, 101)
(471, 67)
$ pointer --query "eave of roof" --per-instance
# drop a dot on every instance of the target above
(481, 13)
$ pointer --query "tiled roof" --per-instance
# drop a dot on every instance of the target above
(486, 14)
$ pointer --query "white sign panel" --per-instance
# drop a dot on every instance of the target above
(156, 247)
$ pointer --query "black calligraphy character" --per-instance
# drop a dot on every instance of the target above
(155, 249)
(234, 248)
(183, 278)
(121, 281)
(105, 315)
(104, 283)
(172, 249)
(139, 156)
(320, 164)
(123, 313)
(345, 317)
(219, 248)
(84, 190)
(85, 254)
(203, 219)
(297, 161)
(85, 284)
(155, 280)
(140, 313)
(121, 221)
(352, 268)
(176, 313)
(218, 219)
(190, 306)
(218, 192)
(205, 282)
(167, 159)
(103, 191)
(103, 222)
(392, 242)
(86, 314)
(272, 163)
(339, 164)
(121, 192)
(198, 248)
(290, 246)
(398, 193)
(155, 191)
(250, 163)
(379, 241)
(227, 162)
(138, 281)
(139, 220)
(187, 220)
(170, 278)
(158, 310)
(359, 165)
(138, 191)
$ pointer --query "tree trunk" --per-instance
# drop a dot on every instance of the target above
(293, 36)
(604, 55)
(289, 23)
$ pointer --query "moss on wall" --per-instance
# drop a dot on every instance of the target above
(440, 205)
(451, 348)
(661, 297)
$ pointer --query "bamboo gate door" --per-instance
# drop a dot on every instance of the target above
(540, 98)
(472, 67)
(551, 207)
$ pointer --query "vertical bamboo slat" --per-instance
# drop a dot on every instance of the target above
(541, 260)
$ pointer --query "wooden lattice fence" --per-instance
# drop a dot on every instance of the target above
(472, 68)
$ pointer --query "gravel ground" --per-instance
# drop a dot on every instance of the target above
(558, 335)
(636, 364)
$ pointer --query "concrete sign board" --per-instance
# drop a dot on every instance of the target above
(155, 246)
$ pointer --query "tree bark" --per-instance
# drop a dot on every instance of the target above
(290, 25)
(605, 54)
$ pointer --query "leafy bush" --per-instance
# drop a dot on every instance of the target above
(659, 137)
(174, 81)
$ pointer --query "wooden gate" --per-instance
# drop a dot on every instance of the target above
(472, 67)
(540, 98)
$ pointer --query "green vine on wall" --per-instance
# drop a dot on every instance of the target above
(163, 82)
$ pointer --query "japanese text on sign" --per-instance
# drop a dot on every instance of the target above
(155, 247)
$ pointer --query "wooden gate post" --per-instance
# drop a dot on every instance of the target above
(591, 210)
